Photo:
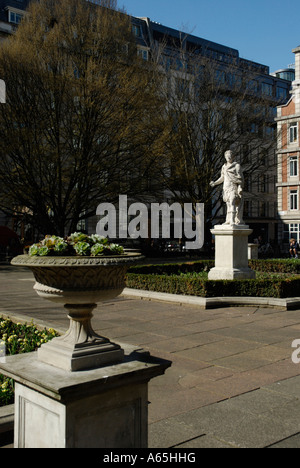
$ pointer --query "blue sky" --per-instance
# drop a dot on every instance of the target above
(264, 31)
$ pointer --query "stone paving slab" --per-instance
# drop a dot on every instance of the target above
(253, 420)
(232, 382)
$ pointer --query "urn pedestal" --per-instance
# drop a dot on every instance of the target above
(79, 284)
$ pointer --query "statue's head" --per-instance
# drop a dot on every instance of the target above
(229, 156)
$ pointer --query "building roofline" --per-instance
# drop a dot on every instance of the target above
(179, 34)
(285, 105)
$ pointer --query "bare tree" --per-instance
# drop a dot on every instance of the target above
(77, 128)
(212, 107)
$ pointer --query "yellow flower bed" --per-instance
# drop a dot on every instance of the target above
(18, 338)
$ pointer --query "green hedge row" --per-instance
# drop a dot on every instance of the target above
(278, 288)
(169, 279)
(174, 268)
(276, 266)
(270, 266)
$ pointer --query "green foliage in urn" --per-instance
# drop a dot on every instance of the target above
(77, 243)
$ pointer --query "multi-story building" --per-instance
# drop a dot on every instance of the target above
(261, 193)
(288, 125)
(261, 206)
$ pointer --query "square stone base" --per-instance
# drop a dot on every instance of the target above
(231, 274)
(114, 419)
(231, 253)
(105, 407)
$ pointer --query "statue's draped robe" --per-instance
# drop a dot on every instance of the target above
(233, 182)
(233, 192)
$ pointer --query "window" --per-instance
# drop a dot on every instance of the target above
(263, 184)
(247, 183)
(245, 152)
(263, 209)
(281, 93)
(291, 231)
(294, 200)
(220, 76)
(293, 166)
(136, 29)
(215, 54)
(182, 88)
(267, 89)
(293, 132)
(247, 209)
(268, 131)
(254, 128)
(230, 77)
(143, 54)
(14, 17)
(253, 86)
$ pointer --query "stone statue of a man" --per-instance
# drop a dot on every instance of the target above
(233, 182)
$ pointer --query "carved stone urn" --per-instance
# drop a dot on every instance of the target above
(79, 283)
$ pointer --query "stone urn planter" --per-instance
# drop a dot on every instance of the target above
(79, 284)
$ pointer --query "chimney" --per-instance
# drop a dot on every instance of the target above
(297, 64)
(296, 83)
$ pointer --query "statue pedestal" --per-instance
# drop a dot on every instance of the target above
(231, 257)
(98, 408)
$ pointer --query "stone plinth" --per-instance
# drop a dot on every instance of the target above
(252, 251)
(99, 408)
(231, 253)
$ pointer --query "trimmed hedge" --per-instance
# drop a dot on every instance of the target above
(276, 266)
(170, 278)
(173, 268)
(270, 266)
(278, 288)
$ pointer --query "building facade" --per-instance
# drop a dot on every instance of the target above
(288, 125)
(261, 204)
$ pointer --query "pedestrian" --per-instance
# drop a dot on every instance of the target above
(294, 247)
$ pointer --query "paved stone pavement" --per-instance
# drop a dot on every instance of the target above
(232, 383)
